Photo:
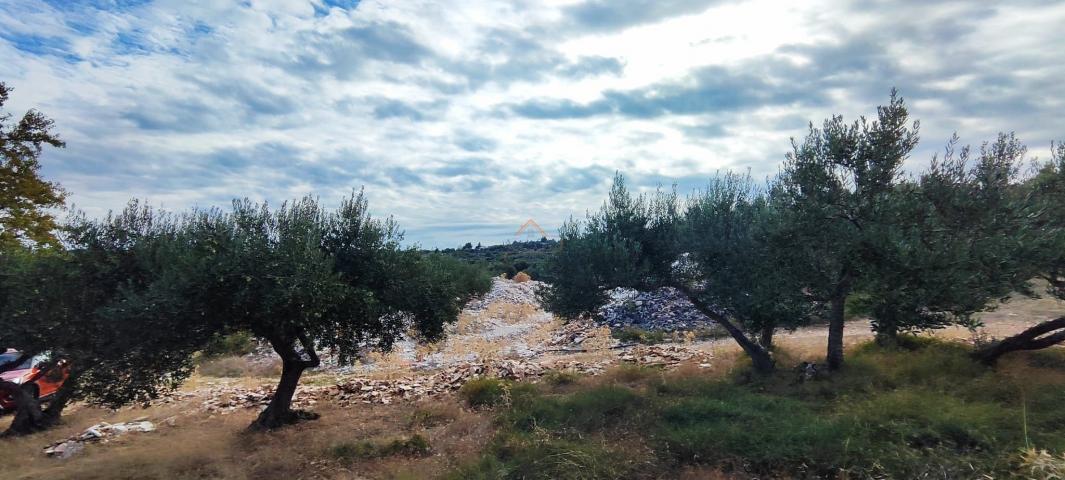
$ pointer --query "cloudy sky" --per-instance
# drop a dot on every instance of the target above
(465, 118)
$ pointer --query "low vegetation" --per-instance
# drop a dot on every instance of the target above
(508, 259)
(923, 409)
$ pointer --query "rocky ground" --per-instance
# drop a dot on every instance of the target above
(505, 334)
(664, 309)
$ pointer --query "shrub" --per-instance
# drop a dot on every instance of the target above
(631, 334)
(521, 277)
(559, 378)
(582, 412)
(484, 392)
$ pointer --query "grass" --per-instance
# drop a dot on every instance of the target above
(632, 334)
(350, 452)
(922, 409)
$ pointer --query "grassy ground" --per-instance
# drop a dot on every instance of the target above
(923, 410)
(919, 411)
(378, 441)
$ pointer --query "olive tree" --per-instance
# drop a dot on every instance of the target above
(958, 244)
(95, 306)
(1043, 251)
(716, 250)
(834, 189)
(303, 278)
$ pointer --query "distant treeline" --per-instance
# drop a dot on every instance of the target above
(508, 259)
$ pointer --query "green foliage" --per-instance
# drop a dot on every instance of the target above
(716, 249)
(94, 305)
(725, 423)
(509, 258)
(1047, 192)
(559, 378)
(25, 198)
(484, 392)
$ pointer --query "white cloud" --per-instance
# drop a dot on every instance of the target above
(477, 114)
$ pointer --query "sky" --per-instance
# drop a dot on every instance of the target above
(463, 119)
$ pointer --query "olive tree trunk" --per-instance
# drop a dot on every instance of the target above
(834, 355)
(29, 416)
(279, 412)
(1041, 336)
(760, 357)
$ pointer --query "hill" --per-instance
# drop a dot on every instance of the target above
(509, 258)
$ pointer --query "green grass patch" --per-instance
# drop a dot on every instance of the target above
(490, 392)
(632, 334)
(918, 409)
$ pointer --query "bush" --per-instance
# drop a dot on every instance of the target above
(521, 277)
(485, 392)
(558, 378)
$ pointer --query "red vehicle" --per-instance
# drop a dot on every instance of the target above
(37, 375)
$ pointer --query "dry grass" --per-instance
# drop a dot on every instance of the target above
(217, 447)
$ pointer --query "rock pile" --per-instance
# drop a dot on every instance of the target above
(506, 291)
(101, 433)
(664, 309)
(664, 355)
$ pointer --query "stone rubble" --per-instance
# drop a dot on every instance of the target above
(442, 373)
(664, 355)
(506, 291)
(664, 309)
(99, 433)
